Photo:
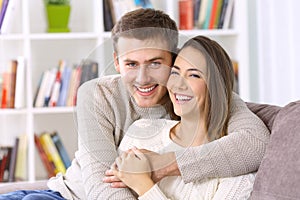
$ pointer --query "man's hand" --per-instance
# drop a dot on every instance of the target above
(162, 165)
(114, 181)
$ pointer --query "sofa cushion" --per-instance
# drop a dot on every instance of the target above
(278, 176)
(265, 112)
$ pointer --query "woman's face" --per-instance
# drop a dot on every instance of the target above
(187, 82)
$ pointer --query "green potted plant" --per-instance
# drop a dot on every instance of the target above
(58, 13)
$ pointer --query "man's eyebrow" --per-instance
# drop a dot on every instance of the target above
(155, 58)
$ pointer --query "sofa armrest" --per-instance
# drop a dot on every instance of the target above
(23, 185)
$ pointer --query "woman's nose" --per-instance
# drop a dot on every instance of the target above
(177, 82)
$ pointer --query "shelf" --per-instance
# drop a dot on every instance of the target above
(12, 37)
(8, 111)
(213, 32)
(54, 110)
(63, 36)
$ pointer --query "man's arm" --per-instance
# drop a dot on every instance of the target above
(97, 149)
(238, 153)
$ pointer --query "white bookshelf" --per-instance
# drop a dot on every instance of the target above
(42, 51)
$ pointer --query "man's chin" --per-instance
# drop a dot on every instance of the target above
(145, 103)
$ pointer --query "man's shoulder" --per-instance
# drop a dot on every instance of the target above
(110, 81)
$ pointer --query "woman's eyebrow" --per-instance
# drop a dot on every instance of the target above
(195, 69)
(176, 67)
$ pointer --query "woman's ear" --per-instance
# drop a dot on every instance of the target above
(116, 62)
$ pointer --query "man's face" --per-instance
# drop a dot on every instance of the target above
(145, 68)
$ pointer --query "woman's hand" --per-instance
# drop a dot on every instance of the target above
(134, 170)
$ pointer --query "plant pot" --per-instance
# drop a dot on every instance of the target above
(58, 18)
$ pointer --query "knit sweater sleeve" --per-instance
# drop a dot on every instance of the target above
(97, 142)
(238, 153)
(154, 193)
(239, 187)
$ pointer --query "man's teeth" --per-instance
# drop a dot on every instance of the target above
(146, 89)
(183, 98)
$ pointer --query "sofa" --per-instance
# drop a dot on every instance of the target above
(278, 176)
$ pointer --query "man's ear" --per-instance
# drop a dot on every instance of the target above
(116, 62)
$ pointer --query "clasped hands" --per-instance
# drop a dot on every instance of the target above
(133, 169)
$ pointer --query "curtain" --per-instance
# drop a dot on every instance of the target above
(278, 50)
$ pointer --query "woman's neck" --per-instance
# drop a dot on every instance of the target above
(190, 132)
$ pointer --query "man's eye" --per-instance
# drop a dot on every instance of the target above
(131, 65)
(155, 65)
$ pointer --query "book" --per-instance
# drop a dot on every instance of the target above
(89, 70)
(213, 14)
(143, 3)
(218, 14)
(62, 99)
(48, 164)
(21, 162)
(13, 64)
(13, 161)
(208, 14)
(57, 84)
(222, 14)
(107, 16)
(51, 152)
(8, 17)
(202, 13)
(5, 154)
(61, 149)
(1, 5)
(5, 88)
(49, 85)
(186, 14)
(1, 84)
(3, 11)
(196, 6)
(5, 165)
(20, 84)
(73, 86)
(120, 7)
(228, 14)
(39, 99)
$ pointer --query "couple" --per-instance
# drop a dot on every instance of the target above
(200, 88)
(108, 106)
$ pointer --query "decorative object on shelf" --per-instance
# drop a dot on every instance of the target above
(58, 13)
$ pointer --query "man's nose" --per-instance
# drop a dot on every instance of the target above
(143, 75)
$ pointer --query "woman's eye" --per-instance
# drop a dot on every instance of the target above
(174, 73)
(195, 76)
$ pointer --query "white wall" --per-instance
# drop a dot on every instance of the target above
(275, 48)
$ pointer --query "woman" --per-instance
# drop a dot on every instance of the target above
(200, 87)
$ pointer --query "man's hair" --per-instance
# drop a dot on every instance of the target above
(145, 24)
(219, 80)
